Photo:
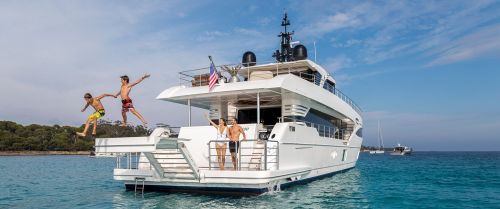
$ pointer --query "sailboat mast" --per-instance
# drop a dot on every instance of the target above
(380, 139)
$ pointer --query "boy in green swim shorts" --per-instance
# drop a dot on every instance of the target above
(95, 102)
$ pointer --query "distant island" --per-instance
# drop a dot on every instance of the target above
(17, 139)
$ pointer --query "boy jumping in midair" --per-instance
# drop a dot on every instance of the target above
(99, 111)
(126, 101)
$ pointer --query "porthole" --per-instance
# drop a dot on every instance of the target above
(272, 136)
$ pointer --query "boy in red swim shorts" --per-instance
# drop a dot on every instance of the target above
(126, 101)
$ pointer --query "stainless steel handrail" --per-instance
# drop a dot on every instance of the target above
(264, 155)
(194, 77)
(345, 98)
(132, 160)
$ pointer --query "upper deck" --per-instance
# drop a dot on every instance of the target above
(238, 73)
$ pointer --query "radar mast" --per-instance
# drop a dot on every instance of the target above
(286, 53)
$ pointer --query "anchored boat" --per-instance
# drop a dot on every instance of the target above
(299, 127)
(401, 150)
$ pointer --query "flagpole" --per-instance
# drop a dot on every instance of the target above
(210, 58)
(212, 82)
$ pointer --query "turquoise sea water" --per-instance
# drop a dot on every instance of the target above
(422, 180)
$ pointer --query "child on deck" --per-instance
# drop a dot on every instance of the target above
(126, 101)
(99, 111)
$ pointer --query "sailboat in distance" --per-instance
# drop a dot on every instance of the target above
(380, 142)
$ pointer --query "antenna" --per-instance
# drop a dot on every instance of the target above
(286, 53)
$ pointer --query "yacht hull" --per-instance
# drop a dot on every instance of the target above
(298, 159)
(400, 153)
(230, 189)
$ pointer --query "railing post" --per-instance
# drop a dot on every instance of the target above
(189, 112)
(136, 160)
(265, 156)
(277, 155)
(239, 150)
(258, 107)
(129, 160)
(209, 157)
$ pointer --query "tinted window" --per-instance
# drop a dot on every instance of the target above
(318, 117)
(359, 132)
(268, 115)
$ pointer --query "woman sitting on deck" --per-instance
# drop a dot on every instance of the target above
(220, 146)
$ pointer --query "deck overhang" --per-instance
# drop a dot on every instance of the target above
(240, 94)
(272, 92)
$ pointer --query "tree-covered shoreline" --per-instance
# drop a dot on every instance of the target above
(34, 137)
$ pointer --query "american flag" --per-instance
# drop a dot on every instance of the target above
(213, 77)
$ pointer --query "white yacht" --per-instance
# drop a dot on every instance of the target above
(299, 128)
(401, 150)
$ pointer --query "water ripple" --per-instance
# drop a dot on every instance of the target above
(423, 180)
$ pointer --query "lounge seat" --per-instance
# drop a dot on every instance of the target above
(260, 75)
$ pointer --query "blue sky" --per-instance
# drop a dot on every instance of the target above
(428, 70)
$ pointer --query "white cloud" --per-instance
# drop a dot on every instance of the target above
(264, 21)
(330, 23)
(249, 32)
(54, 52)
(391, 29)
(336, 21)
(337, 63)
(483, 43)
(346, 44)
(211, 35)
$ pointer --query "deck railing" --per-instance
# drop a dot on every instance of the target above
(253, 154)
(342, 96)
(128, 160)
(323, 130)
(200, 77)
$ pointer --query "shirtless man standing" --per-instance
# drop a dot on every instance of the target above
(234, 136)
(126, 101)
(95, 102)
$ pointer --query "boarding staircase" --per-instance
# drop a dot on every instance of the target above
(171, 160)
(256, 156)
